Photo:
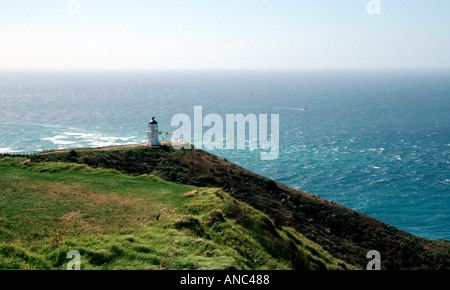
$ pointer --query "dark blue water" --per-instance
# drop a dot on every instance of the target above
(375, 141)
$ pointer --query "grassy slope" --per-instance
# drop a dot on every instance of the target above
(118, 221)
(345, 233)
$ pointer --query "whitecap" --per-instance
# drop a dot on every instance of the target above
(85, 135)
(60, 137)
(110, 139)
(289, 108)
(71, 134)
(8, 150)
(58, 141)
(99, 143)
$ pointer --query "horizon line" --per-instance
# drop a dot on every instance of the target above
(220, 69)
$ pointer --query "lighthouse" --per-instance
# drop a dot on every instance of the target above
(152, 132)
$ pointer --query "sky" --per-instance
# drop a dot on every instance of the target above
(223, 34)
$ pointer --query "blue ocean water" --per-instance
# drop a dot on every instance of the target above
(376, 141)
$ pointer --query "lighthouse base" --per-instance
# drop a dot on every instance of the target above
(153, 139)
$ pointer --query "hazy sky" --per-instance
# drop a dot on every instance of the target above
(219, 34)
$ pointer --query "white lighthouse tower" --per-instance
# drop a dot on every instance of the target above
(153, 132)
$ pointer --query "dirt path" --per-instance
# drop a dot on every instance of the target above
(100, 148)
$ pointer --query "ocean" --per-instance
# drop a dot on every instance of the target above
(377, 141)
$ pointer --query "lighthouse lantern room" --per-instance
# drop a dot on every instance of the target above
(153, 132)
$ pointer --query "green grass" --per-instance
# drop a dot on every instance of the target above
(118, 221)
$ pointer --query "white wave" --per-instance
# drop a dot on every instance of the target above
(288, 108)
(87, 139)
(95, 137)
(111, 139)
(95, 143)
(376, 150)
(58, 141)
(71, 134)
(62, 142)
(8, 150)
(86, 135)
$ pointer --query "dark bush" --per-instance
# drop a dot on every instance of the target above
(270, 185)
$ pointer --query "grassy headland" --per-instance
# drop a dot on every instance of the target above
(258, 223)
(117, 221)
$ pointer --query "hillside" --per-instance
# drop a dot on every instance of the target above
(117, 221)
(343, 233)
